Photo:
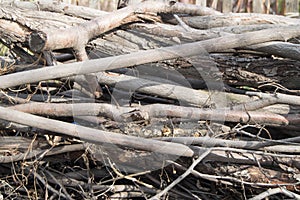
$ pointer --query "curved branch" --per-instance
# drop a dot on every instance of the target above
(78, 36)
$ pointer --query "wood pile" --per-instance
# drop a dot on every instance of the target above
(151, 101)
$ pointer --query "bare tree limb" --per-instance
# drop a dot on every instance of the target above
(36, 153)
(93, 135)
(154, 110)
(181, 177)
(67, 9)
(142, 57)
(237, 19)
(273, 191)
(78, 36)
(278, 97)
(282, 49)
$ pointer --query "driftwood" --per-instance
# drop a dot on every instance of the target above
(129, 103)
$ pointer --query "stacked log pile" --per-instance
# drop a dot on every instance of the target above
(152, 101)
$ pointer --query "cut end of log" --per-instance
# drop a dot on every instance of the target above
(37, 41)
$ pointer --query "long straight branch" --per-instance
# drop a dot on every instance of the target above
(93, 135)
(153, 110)
(147, 56)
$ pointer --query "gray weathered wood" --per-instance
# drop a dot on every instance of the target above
(94, 135)
(142, 57)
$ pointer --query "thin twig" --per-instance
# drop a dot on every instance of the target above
(273, 191)
(181, 177)
(60, 185)
(49, 186)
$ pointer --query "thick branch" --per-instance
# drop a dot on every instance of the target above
(142, 57)
(93, 135)
(282, 49)
(278, 97)
(67, 9)
(237, 19)
(78, 36)
(153, 110)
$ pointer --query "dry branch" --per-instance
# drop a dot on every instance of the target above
(278, 97)
(39, 154)
(274, 191)
(142, 57)
(237, 19)
(254, 148)
(282, 49)
(93, 135)
(153, 111)
(264, 145)
(78, 36)
(180, 178)
(66, 9)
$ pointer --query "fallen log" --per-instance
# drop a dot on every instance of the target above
(78, 36)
